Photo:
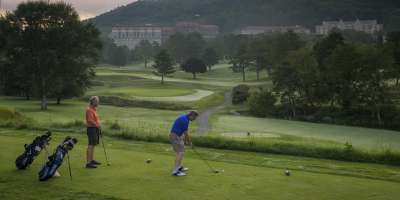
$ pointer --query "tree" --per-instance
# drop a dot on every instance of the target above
(392, 47)
(286, 81)
(262, 103)
(115, 55)
(372, 86)
(306, 68)
(51, 39)
(242, 60)
(194, 45)
(194, 65)
(210, 57)
(176, 46)
(163, 64)
(280, 46)
(259, 55)
(324, 48)
(342, 68)
(185, 46)
(145, 51)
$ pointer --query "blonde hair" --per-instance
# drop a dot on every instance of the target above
(93, 99)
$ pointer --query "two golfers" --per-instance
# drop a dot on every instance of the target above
(93, 131)
(179, 136)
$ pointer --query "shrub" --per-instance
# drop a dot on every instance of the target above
(115, 125)
(262, 103)
(240, 94)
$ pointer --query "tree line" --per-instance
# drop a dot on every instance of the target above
(332, 80)
(46, 52)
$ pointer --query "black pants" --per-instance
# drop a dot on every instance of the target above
(93, 135)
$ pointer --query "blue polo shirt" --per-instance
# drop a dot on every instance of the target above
(181, 125)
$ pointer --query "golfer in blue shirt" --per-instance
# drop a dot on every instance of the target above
(179, 136)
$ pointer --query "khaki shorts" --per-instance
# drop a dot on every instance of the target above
(177, 142)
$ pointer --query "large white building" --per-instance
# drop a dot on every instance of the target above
(131, 36)
(255, 30)
(367, 26)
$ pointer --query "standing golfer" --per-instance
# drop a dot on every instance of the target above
(93, 131)
(179, 136)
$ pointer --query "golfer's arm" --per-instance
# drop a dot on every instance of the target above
(188, 138)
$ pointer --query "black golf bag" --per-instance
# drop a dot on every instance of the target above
(33, 150)
(55, 160)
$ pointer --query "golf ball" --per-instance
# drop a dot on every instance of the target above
(287, 173)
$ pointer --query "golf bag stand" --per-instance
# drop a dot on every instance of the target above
(55, 160)
(32, 150)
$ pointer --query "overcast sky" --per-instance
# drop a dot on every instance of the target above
(85, 8)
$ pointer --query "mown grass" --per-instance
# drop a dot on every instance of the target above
(246, 175)
(365, 138)
(149, 131)
(72, 112)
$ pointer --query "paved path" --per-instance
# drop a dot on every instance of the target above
(199, 94)
(204, 118)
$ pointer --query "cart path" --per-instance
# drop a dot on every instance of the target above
(204, 118)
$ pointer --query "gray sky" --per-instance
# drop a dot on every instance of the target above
(85, 8)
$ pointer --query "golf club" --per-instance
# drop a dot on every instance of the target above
(69, 167)
(216, 171)
(104, 148)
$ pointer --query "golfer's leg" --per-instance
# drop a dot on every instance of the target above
(178, 160)
(89, 153)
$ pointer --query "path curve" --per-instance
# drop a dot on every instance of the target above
(186, 98)
(203, 120)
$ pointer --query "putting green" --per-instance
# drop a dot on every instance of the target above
(130, 177)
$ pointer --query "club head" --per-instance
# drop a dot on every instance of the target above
(217, 171)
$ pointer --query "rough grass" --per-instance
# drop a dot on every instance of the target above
(246, 175)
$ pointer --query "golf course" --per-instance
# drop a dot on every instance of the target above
(245, 175)
(199, 100)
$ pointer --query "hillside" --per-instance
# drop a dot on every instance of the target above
(233, 14)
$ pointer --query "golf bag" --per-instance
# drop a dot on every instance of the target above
(33, 150)
(55, 160)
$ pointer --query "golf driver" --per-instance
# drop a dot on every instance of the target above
(216, 171)
(104, 148)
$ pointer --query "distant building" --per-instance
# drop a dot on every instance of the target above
(131, 36)
(255, 30)
(207, 31)
(367, 26)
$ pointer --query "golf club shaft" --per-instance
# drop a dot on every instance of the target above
(205, 161)
(104, 148)
(69, 167)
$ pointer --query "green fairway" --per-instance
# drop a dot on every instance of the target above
(149, 120)
(246, 175)
(142, 92)
(372, 139)
(215, 82)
